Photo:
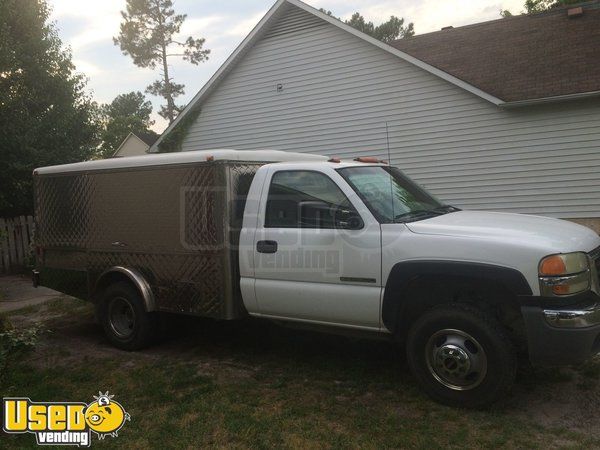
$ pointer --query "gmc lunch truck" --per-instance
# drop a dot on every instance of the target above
(341, 245)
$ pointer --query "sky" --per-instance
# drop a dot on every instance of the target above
(88, 26)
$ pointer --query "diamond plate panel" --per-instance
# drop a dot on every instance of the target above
(186, 283)
(172, 223)
(203, 193)
(62, 210)
(240, 179)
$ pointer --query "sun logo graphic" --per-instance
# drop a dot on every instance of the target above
(64, 423)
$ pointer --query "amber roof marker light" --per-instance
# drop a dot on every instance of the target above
(370, 160)
(366, 159)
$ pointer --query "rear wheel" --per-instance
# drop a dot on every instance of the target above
(461, 356)
(124, 319)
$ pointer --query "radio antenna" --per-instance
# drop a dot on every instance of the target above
(387, 139)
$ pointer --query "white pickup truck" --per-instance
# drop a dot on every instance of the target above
(343, 245)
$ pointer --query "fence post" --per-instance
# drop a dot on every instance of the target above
(25, 240)
(30, 232)
(12, 249)
(4, 246)
(18, 240)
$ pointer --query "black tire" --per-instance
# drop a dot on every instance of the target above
(124, 319)
(436, 348)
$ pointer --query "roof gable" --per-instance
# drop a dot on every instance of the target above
(146, 139)
(283, 11)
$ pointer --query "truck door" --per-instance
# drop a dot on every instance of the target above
(317, 251)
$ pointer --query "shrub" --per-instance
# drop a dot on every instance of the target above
(15, 341)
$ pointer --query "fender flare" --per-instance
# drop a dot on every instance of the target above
(138, 281)
(403, 273)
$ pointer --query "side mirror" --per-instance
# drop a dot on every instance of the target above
(318, 214)
(315, 214)
(348, 219)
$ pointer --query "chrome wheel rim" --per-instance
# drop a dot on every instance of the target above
(456, 359)
(121, 317)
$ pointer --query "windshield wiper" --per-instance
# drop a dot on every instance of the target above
(424, 213)
(446, 209)
(416, 215)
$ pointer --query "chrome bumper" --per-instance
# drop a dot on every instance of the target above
(573, 318)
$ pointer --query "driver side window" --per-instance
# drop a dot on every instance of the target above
(308, 199)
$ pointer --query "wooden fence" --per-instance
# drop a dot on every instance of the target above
(15, 236)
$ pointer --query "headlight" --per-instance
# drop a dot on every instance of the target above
(565, 274)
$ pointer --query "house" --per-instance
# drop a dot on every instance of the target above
(501, 115)
(135, 144)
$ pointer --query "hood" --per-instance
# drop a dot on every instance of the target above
(556, 235)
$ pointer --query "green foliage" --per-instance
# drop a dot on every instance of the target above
(127, 113)
(147, 35)
(47, 117)
(173, 140)
(14, 342)
(386, 32)
(537, 6)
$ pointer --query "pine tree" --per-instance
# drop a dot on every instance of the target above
(148, 34)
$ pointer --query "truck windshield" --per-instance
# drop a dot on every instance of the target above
(391, 196)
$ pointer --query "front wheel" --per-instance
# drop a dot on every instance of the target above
(124, 319)
(461, 356)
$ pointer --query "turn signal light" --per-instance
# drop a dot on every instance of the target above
(561, 289)
(553, 265)
(564, 274)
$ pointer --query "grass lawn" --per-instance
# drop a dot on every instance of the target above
(253, 384)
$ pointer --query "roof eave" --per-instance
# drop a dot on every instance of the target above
(405, 56)
(553, 99)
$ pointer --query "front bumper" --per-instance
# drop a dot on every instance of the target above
(588, 316)
(563, 336)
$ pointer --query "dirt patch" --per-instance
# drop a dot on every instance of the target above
(17, 292)
(566, 398)
(71, 335)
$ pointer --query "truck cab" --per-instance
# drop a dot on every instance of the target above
(352, 246)
(358, 245)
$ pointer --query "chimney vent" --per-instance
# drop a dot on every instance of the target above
(572, 13)
(448, 27)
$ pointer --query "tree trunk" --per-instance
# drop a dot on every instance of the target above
(167, 90)
(167, 94)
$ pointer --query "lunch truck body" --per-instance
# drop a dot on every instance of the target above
(346, 245)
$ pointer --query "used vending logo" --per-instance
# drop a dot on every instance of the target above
(64, 423)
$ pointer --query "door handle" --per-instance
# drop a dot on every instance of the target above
(266, 246)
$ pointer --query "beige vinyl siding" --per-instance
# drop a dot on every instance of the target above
(132, 146)
(339, 91)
